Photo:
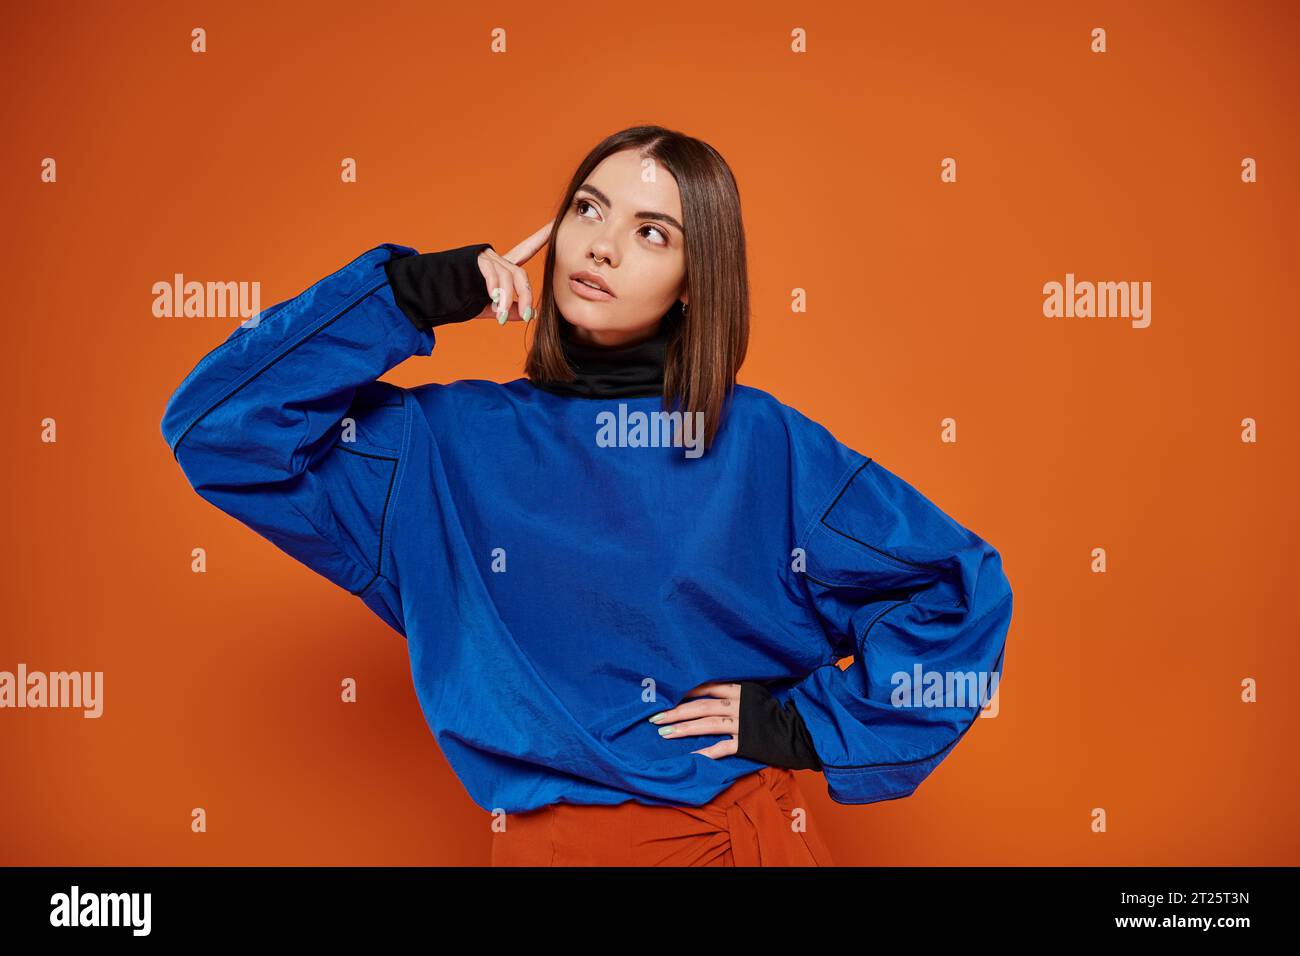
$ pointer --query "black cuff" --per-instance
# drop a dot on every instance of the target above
(435, 288)
(772, 734)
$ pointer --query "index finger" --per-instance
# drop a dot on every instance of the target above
(528, 248)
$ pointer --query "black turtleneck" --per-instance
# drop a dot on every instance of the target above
(438, 288)
(621, 371)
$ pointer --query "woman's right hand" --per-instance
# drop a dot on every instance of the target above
(507, 282)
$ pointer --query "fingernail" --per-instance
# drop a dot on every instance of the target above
(501, 317)
(665, 731)
(528, 314)
(656, 718)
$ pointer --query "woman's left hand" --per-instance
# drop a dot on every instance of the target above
(718, 712)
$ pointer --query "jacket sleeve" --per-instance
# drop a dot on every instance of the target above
(285, 427)
(921, 603)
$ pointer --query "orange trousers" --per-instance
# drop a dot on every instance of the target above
(751, 823)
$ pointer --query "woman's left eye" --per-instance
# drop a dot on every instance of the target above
(663, 237)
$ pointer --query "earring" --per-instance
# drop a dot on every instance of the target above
(686, 307)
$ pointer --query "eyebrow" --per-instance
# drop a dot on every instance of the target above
(644, 214)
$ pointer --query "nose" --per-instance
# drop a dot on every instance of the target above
(602, 250)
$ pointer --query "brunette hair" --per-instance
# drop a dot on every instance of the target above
(706, 345)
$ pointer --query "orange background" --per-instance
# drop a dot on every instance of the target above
(1121, 690)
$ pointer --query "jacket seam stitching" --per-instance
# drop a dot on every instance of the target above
(944, 573)
(389, 499)
(838, 489)
(804, 539)
(376, 577)
(399, 471)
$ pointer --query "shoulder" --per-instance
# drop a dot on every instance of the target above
(783, 436)
(757, 409)
(752, 407)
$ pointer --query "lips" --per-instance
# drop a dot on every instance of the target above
(590, 278)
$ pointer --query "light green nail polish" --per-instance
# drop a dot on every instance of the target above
(665, 731)
(528, 314)
(501, 317)
(656, 718)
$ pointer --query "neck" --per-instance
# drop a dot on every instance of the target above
(611, 338)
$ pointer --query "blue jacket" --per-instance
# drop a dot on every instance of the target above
(555, 591)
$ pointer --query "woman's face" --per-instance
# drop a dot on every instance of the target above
(626, 231)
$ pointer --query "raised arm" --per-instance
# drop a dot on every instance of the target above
(285, 427)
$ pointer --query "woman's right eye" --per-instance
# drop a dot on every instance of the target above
(579, 203)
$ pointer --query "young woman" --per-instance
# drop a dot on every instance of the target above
(624, 579)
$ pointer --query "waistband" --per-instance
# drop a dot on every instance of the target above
(759, 813)
(761, 818)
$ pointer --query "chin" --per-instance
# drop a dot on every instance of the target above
(592, 316)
